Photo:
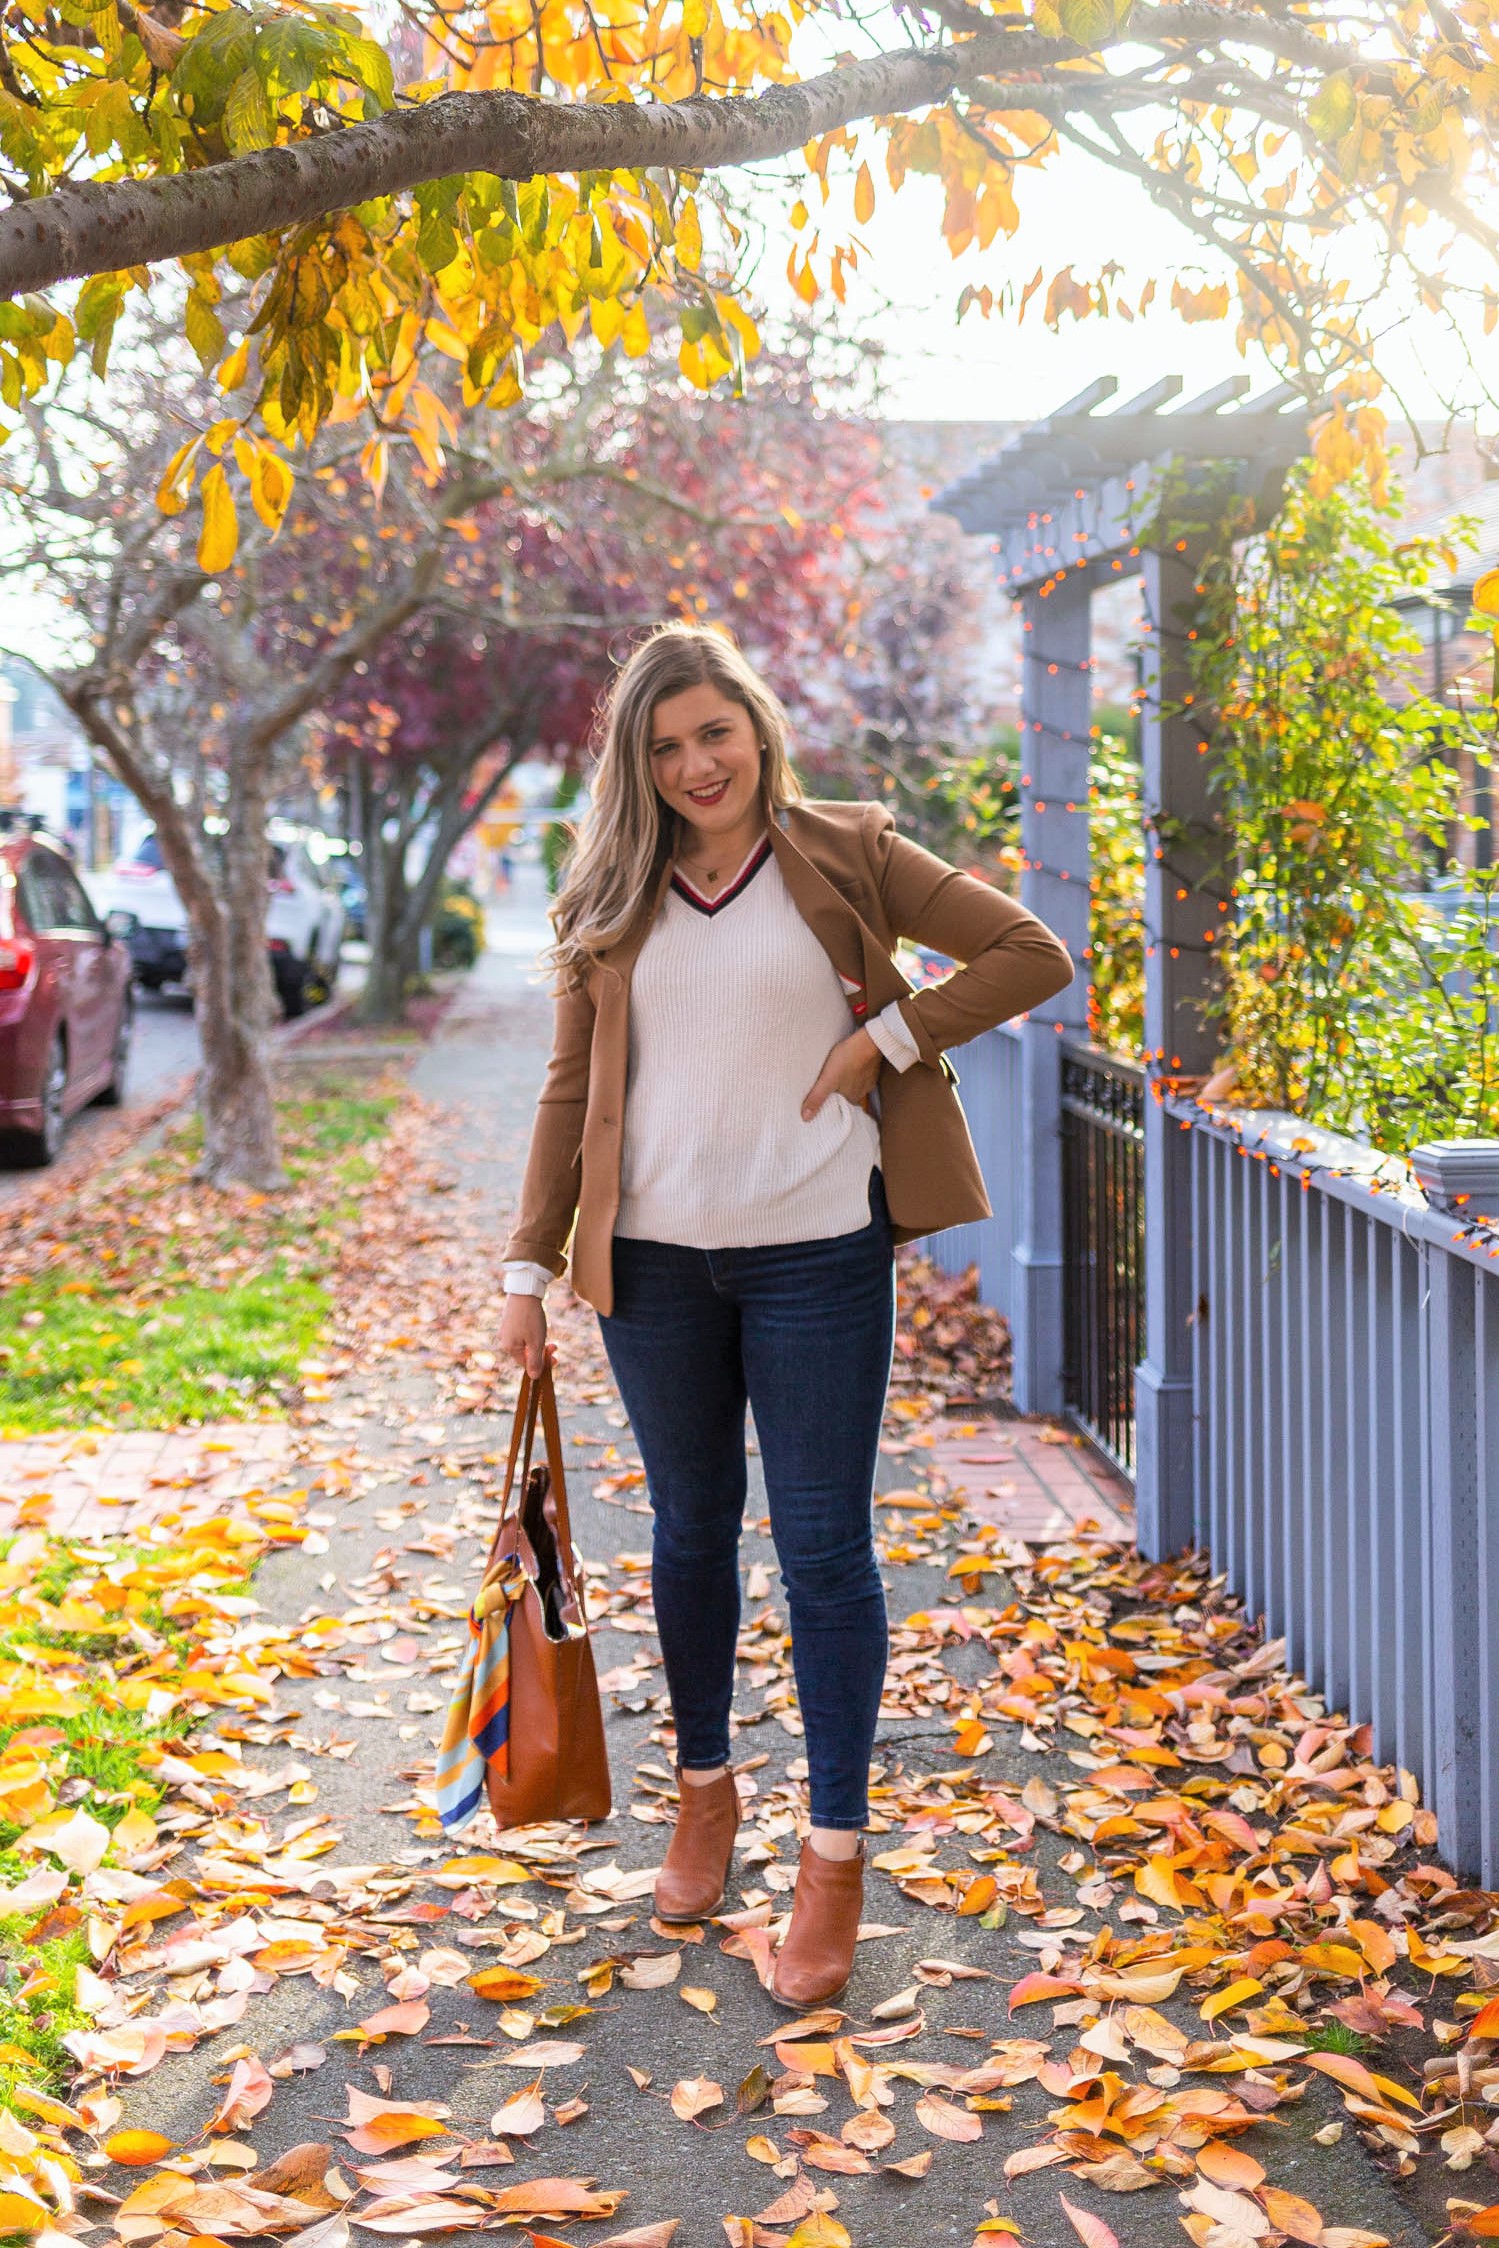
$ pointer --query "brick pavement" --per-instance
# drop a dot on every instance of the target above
(1035, 1479)
(89, 1481)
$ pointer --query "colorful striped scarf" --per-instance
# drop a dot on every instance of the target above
(477, 1731)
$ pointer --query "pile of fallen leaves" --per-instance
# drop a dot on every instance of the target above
(948, 1343)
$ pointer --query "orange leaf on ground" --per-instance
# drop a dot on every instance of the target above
(1032, 1988)
(1230, 2166)
(694, 2095)
(1291, 2215)
(945, 2121)
(250, 2089)
(557, 2197)
(136, 2148)
(1090, 2230)
(397, 2129)
(521, 2114)
(502, 1983)
(404, 2020)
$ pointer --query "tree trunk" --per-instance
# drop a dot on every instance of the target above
(383, 999)
(235, 998)
(227, 959)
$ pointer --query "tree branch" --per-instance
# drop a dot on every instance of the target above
(88, 228)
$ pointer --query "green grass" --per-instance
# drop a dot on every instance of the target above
(204, 1320)
(205, 1356)
(35, 2021)
(1335, 2037)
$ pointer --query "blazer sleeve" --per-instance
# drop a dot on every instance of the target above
(554, 1165)
(1011, 962)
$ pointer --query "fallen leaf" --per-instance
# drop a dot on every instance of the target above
(395, 2129)
(556, 2197)
(136, 2148)
(652, 1970)
(819, 2231)
(251, 2088)
(694, 2095)
(703, 2000)
(405, 2020)
(1031, 1989)
(1291, 2215)
(914, 2165)
(503, 1984)
(1025, 2159)
(945, 2121)
(1121, 2172)
(643, 2236)
(1090, 2230)
(80, 1842)
(521, 2114)
(1230, 2166)
(403, 2216)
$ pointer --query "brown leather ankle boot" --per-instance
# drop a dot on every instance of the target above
(817, 1956)
(691, 1883)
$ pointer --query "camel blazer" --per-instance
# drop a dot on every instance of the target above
(860, 887)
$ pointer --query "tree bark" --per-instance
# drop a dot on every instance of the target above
(406, 907)
(383, 998)
(232, 994)
(235, 997)
(88, 228)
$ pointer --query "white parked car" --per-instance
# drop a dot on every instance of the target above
(304, 918)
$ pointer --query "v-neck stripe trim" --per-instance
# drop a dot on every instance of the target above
(741, 881)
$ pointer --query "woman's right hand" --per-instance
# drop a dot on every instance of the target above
(523, 1334)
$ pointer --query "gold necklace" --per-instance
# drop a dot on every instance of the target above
(710, 875)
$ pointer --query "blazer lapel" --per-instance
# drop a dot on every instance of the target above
(869, 975)
(825, 910)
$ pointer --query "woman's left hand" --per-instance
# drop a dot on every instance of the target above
(851, 1069)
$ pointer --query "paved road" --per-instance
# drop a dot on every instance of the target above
(164, 1054)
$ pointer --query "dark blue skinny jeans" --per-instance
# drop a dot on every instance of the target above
(802, 1333)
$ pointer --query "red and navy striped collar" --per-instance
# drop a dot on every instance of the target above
(741, 881)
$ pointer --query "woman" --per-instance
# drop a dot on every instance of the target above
(746, 1106)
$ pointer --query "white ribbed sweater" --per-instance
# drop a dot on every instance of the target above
(733, 1012)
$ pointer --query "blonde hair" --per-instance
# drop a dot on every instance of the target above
(628, 833)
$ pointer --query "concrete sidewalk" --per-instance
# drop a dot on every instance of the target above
(609, 2013)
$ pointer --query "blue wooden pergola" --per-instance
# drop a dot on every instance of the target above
(1069, 504)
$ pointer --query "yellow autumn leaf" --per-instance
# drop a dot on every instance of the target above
(1223, 2001)
(689, 235)
(819, 2231)
(177, 478)
(19, 2213)
(219, 539)
(635, 334)
(270, 488)
(864, 196)
(1486, 594)
(1156, 1879)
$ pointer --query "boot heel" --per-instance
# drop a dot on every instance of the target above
(691, 1884)
(817, 1957)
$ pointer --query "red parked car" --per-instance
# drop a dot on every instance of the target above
(65, 1002)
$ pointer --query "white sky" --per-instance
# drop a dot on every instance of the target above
(1074, 212)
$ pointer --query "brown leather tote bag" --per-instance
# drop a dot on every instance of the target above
(558, 1766)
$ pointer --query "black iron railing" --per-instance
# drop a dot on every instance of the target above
(1103, 1243)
